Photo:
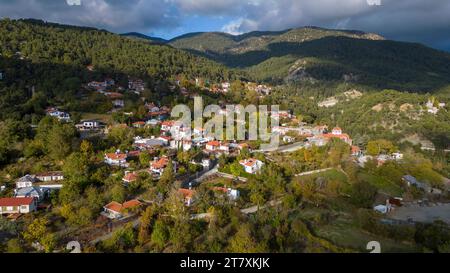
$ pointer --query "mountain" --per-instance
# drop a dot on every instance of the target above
(140, 36)
(42, 42)
(315, 54)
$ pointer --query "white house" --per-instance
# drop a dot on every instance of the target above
(232, 194)
(17, 205)
(116, 159)
(159, 165)
(50, 176)
(26, 181)
(116, 210)
(252, 165)
(89, 125)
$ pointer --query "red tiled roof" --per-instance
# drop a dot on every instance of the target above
(355, 149)
(187, 193)
(168, 123)
(116, 156)
(14, 202)
(130, 177)
(213, 143)
(114, 206)
(160, 164)
(249, 162)
(131, 204)
(117, 207)
(225, 190)
(341, 136)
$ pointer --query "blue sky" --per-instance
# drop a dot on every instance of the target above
(424, 21)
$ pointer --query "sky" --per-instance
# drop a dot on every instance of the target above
(423, 21)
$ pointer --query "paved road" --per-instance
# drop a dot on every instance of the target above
(200, 179)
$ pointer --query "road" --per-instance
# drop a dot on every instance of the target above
(314, 172)
(196, 181)
(284, 149)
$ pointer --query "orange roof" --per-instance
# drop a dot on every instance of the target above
(249, 162)
(131, 204)
(355, 149)
(114, 206)
(139, 123)
(114, 95)
(337, 129)
(341, 136)
(243, 145)
(213, 143)
(14, 202)
(225, 190)
(114, 156)
(160, 164)
(168, 123)
(130, 177)
(187, 193)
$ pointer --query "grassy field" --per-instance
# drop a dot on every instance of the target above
(102, 117)
(342, 232)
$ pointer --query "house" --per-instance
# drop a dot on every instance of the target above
(149, 143)
(139, 124)
(136, 85)
(188, 196)
(130, 177)
(233, 194)
(337, 133)
(317, 140)
(17, 205)
(116, 159)
(397, 156)
(60, 115)
(159, 165)
(288, 139)
(88, 125)
(212, 146)
(118, 103)
(252, 165)
(185, 145)
(224, 148)
(153, 122)
(383, 209)
(115, 210)
(412, 181)
(26, 181)
(50, 176)
(166, 126)
(356, 151)
(33, 192)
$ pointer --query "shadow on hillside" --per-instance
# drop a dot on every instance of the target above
(380, 64)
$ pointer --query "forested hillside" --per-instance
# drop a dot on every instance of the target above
(315, 54)
(42, 42)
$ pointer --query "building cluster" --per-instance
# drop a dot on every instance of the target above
(30, 191)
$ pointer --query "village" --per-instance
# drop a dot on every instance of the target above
(161, 140)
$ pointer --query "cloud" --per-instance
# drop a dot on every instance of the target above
(115, 15)
(411, 20)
